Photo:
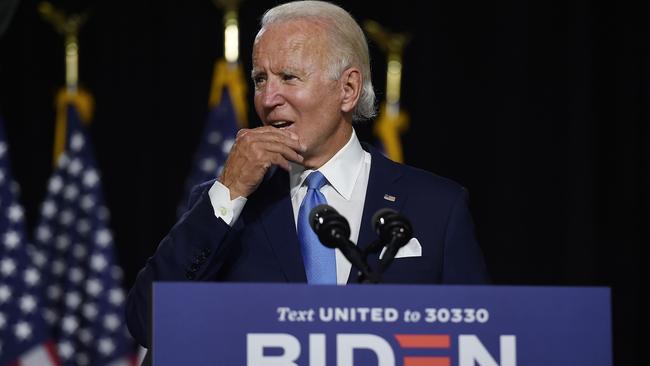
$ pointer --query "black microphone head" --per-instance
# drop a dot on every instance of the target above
(390, 225)
(330, 226)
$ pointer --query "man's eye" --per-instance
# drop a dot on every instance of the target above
(258, 80)
(288, 77)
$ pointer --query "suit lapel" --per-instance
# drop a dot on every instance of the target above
(279, 225)
(382, 192)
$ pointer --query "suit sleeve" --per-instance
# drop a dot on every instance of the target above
(463, 259)
(189, 252)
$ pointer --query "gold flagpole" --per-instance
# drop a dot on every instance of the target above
(392, 120)
(71, 94)
(228, 71)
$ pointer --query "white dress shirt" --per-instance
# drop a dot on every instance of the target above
(347, 174)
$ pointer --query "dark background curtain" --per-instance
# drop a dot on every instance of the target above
(541, 109)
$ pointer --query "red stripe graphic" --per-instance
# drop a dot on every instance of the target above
(423, 340)
(427, 361)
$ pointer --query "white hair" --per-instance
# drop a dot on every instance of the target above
(348, 44)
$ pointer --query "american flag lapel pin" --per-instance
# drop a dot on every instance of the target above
(390, 198)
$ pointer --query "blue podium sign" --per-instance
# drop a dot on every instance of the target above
(385, 325)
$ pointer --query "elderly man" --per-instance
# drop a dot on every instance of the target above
(311, 74)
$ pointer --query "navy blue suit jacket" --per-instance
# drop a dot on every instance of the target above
(262, 245)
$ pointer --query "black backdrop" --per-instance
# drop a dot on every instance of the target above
(541, 109)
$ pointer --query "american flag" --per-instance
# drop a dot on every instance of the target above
(84, 301)
(218, 137)
(23, 333)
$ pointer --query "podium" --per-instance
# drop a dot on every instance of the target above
(384, 325)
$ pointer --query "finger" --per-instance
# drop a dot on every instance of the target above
(272, 135)
(279, 160)
(279, 148)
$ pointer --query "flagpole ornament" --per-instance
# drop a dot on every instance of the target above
(69, 27)
(71, 94)
(392, 121)
(230, 29)
(228, 72)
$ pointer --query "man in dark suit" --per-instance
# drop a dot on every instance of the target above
(312, 79)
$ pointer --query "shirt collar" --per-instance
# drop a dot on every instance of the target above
(341, 170)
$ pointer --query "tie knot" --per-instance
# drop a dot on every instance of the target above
(315, 180)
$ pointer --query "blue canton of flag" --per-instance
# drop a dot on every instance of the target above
(23, 333)
(84, 298)
(218, 137)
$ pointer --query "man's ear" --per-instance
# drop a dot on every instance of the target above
(351, 82)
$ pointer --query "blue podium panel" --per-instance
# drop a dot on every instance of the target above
(384, 325)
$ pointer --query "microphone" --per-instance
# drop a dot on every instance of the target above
(329, 225)
(333, 231)
(394, 231)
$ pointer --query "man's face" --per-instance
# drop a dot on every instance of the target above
(293, 90)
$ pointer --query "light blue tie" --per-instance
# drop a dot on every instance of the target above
(320, 261)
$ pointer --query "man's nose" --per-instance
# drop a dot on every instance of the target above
(272, 95)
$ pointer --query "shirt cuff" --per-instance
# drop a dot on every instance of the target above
(224, 208)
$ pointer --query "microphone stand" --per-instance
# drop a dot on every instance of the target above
(358, 260)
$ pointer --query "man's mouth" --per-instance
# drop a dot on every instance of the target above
(281, 124)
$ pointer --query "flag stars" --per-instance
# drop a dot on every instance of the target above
(116, 296)
(49, 209)
(58, 267)
(106, 346)
(3, 149)
(62, 242)
(111, 322)
(7, 267)
(54, 292)
(83, 227)
(50, 316)
(72, 300)
(79, 251)
(87, 202)
(22, 330)
(11, 239)
(75, 167)
(3, 321)
(66, 350)
(71, 192)
(66, 217)
(56, 184)
(208, 165)
(31, 276)
(103, 237)
(27, 304)
(37, 257)
(77, 141)
(15, 213)
(85, 336)
(94, 287)
(90, 178)
(69, 324)
(227, 146)
(214, 137)
(5, 294)
(43, 233)
(98, 262)
(63, 160)
(76, 275)
(90, 311)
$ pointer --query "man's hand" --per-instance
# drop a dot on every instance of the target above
(253, 153)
